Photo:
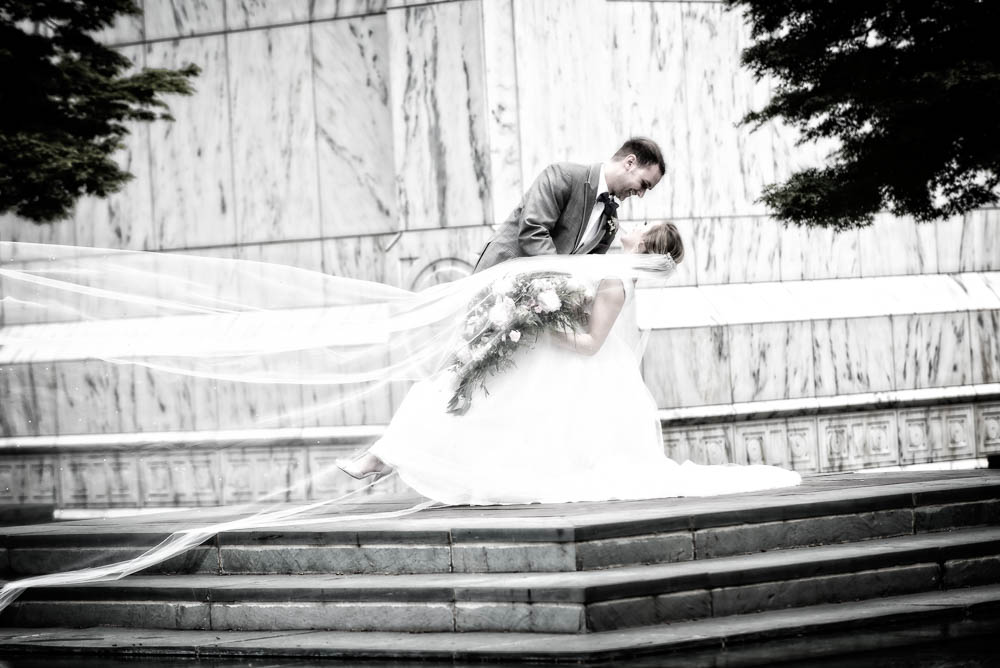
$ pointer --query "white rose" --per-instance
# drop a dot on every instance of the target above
(503, 286)
(549, 301)
(515, 335)
(501, 311)
(464, 355)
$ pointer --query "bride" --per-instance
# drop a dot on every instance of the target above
(571, 421)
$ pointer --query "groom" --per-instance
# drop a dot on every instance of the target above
(570, 208)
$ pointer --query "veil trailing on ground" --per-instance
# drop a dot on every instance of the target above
(244, 322)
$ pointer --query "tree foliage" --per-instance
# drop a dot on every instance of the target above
(64, 102)
(908, 89)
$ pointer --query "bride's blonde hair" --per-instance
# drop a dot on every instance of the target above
(664, 238)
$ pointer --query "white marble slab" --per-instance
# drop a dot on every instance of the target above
(171, 402)
(29, 405)
(329, 9)
(852, 355)
(737, 250)
(569, 99)
(192, 170)
(985, 337)
(649, 98)
(440, 136)
(94, 397)
(166, 19)
(421, 258)
(354, 126)
(15, 228)
(892, 245)
(771, 361)
(815, 253)
(688, 367)
(273, 135)
(122, 219)
(126, 28)
(970, 242)
(258, 405)
(242, 14)
(358, 257)
(503, 126)
(932, 350)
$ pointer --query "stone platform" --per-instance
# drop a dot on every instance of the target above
(844, 559)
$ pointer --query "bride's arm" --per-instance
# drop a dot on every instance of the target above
(607, 305)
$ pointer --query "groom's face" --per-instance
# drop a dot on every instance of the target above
(635, 179)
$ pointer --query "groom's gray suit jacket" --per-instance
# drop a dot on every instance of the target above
(551, 217)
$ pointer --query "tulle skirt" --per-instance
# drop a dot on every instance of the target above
(559, 427)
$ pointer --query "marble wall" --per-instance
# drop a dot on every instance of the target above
(382, 139)
(344, 126)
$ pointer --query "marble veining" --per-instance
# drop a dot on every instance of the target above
(689, 367)
(354, 127)
(257, 13)
(560, 45)
(329, 9)
(649, 98)
(94, 397)
(737, 250)
(931, 350)
(970, 242)
(892, 245)
(771, 361)
(853, 355)
(817, 253)
(192, 170)
(503, 126)
(437, 95)
(126, 28)
(273, 135)
(166, 19)
(29, 404)
(421, 258)
(170, 402)
(358, 257)
(125, 218)
(985, 346)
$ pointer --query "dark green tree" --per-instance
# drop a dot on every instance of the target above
(909, 89)
(64, 101)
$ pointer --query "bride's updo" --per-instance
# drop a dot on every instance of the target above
(663, 238)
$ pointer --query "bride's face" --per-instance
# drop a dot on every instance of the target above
(631, 237)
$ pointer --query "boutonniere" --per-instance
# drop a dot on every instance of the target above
(612, 224)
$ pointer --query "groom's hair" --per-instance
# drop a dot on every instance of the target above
(645, 150)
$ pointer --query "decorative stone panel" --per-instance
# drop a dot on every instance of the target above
(786, 443)
(707, 445)
(250, 473)
(97, 480)
(936, 434)
(181, 479)
(857, 441)
(988, 427)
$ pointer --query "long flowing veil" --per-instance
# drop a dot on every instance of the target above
(248, 322)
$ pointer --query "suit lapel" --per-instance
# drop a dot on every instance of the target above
(589, 199)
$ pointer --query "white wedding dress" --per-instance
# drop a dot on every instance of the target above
(561, 426)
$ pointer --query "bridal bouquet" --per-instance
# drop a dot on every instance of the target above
(506, 315)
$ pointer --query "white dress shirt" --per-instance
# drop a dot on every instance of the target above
(594, 231)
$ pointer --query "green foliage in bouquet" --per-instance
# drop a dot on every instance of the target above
(501, 318)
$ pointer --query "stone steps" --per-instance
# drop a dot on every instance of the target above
(842, 555)
(747, 640)
(824, 510)
(574, 602)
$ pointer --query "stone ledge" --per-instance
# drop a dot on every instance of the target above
(864, 624)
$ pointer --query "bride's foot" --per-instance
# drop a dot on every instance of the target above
(363, 466)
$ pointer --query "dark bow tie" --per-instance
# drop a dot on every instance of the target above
(610, 205)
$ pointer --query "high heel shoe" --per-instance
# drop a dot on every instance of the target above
(350, 467)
